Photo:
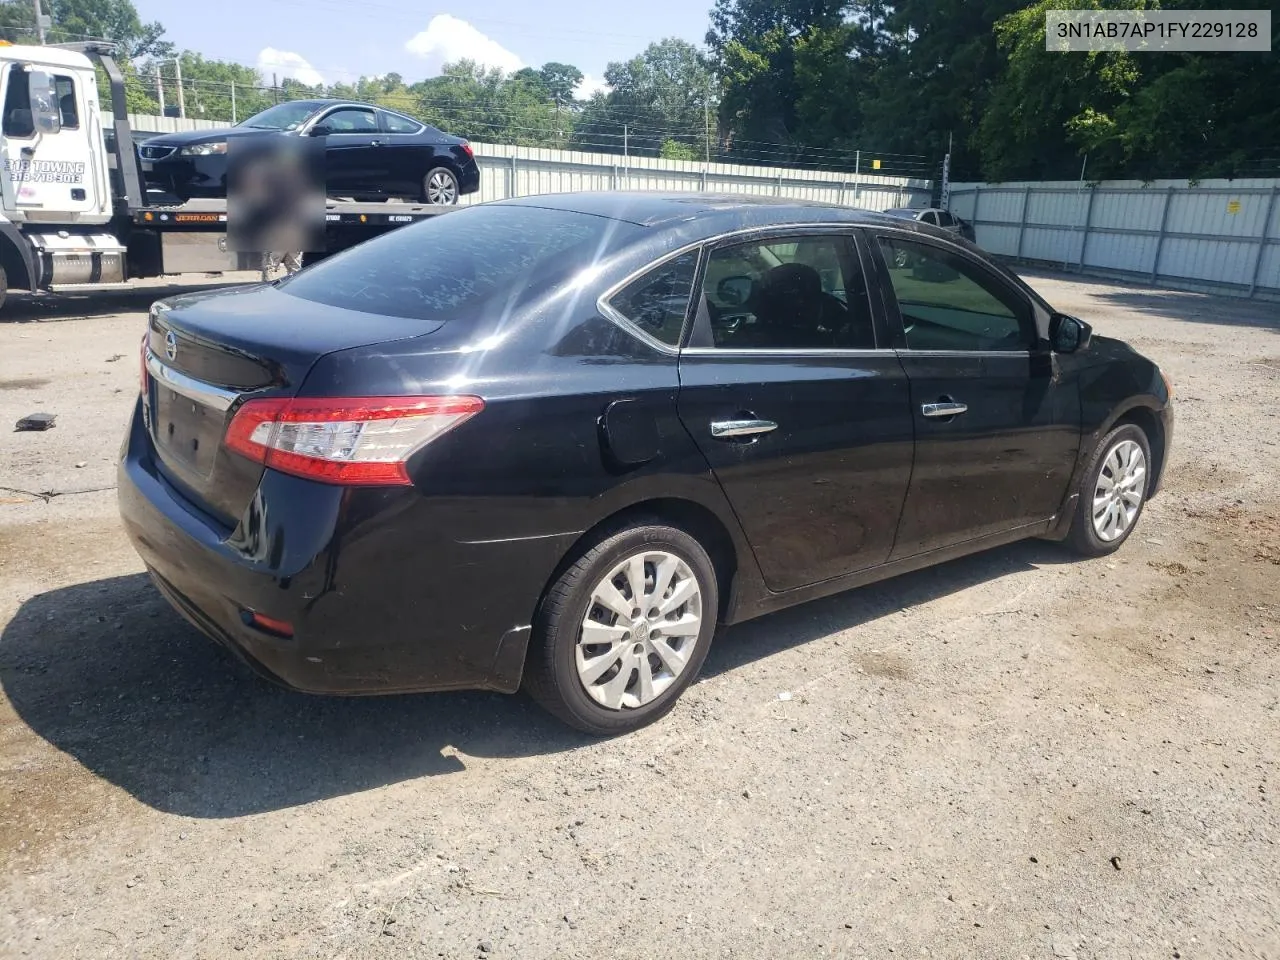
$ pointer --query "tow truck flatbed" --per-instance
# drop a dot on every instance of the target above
(195, 213)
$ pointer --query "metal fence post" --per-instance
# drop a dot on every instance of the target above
(1262, 241)
(1088, 219)
(841, 197)
(511, 173)
(777, 187)
(1164, 223)
(1022, 221)
(977, 196)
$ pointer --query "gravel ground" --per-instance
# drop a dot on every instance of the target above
(1013, 755)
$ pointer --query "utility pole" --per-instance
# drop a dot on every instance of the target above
(39, 22)
(233, 102)
(182, 100)
(160, 89)
(706, 121)
(275, 88)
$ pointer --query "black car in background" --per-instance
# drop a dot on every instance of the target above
(370, 154)
(554, 442)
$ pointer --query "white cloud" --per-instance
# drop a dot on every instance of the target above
(284, 63)
(589, 87)
(447, 39)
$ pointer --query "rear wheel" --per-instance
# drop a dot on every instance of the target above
(1113, 493)
(440, 187)
(624, 630)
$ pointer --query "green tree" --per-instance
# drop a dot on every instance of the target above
(115, 20)
(665, 93)
(1046, 106)
(675, 150)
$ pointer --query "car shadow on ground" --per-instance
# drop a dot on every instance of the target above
(107, 673)
(1217, 309)
(50, 307)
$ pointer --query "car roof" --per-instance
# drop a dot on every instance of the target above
(711, 210)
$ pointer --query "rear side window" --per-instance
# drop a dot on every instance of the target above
(398, 124)
(658, 301)
(944, 219)
(461, 264)
(65, 88)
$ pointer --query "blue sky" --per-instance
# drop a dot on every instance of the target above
(342, 39)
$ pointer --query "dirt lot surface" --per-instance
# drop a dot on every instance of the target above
(1014, 755)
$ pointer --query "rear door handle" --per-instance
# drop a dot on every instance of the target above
(733, 429)
(943, 408)
(375, 143)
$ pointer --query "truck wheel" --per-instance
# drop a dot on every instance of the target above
(440, 187)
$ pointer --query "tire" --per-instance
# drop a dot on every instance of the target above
(556, 656)
(4, 287)
(440, 187)
(1112, 458)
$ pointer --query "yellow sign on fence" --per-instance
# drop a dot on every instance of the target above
(875, 164)
(1233, 206)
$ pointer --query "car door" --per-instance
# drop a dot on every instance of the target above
(790, 392)
(354, 159)
(996, 433)
(408, 153)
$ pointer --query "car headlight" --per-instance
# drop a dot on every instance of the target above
(203, 149)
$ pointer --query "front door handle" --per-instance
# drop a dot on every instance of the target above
(734, 429)
(945, 407)
(375, 143)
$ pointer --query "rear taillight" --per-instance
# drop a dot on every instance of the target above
(466, 148)
(351, 441)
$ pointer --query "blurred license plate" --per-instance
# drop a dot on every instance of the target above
(186, 431)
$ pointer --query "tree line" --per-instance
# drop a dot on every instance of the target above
(814, 83)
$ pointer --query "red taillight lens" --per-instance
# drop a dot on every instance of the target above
(466, 148)
(350, 441)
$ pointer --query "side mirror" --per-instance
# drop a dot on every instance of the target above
(734, 291)
(320, 130)
(43, 97)
(1068, 334)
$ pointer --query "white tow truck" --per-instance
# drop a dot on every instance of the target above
(74, 213)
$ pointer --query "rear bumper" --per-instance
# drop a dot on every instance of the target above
(469, 178)
(379, 601)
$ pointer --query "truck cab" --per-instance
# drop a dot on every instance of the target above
(56, 198)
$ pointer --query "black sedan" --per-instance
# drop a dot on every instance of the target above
(370, 154)
(554, 442)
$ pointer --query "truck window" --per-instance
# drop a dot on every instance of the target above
(65, 88)
(18, 122)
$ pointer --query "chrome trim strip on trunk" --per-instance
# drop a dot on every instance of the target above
(189, 387)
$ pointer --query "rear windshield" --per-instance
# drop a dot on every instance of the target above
(454, 264)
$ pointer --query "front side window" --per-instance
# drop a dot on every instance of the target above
(351, 121)
(945, 220)
(658, 301)
(950, 303)
(17, 105)
(788, 294)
